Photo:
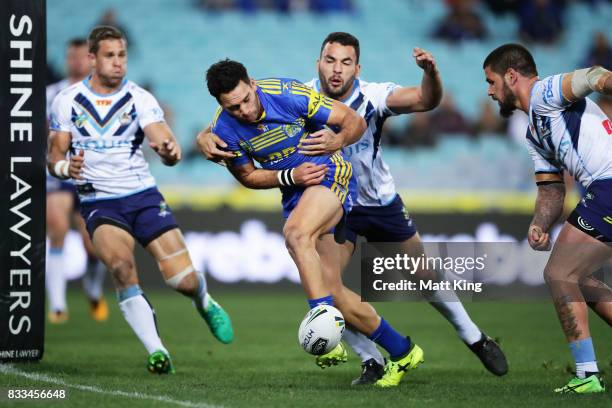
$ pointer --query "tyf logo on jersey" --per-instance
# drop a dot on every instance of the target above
(103, 102)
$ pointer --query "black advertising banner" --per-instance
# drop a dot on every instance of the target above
(22, 184)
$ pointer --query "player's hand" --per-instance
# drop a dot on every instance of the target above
(210, 146)
(538, 239)
(168, 150)
(76, 165)
(424, 59)
(324, 141)
(309, 174)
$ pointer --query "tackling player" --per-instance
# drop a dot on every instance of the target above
(379, 214)
(62, 201)
(102, 121)
(567, 131)
(270, 120)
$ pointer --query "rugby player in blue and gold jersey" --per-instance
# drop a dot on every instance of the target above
(272, 121)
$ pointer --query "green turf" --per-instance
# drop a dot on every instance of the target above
(265, 367)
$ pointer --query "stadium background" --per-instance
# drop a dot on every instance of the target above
(461, 170)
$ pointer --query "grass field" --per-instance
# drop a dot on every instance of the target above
(103, 365)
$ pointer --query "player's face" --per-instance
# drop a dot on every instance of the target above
(77, 62)
(242, 102)
(500, 91)
(110, 62)
(338, 69)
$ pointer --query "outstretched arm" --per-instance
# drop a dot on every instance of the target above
(162, 140)
(580, 83)
(422, 98)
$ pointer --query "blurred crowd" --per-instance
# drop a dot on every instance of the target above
(281, 6)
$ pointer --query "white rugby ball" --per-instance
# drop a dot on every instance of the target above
(321, 330)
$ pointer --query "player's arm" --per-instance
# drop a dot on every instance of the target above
(580, 83)
(59, 144)
(548, 209)
(326, 141)
(422, 98)
(162, 140)
(306, 174)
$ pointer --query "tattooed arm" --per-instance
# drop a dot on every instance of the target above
(548, 209)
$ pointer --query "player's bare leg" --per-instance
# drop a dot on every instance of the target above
(172, 256)
(59, 208)
(115, 247)
(575, 256)
(598, 298)
(93, 280)
(318, 211)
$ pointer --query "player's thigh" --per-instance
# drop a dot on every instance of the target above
(170, 252)
(318, 211)
(413, 247)
(59, 208)
(115, 248)
(575, 255)
(79, 222)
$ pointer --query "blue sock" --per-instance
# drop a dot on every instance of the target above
(327, 300)
(128, 292)
(584, 356)
(386, 337)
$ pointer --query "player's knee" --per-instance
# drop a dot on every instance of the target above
(296, 237)
(122, 270)
(185, 281)
(556, 275)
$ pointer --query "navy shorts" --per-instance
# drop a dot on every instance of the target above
(389, 223)
(593, 215)
(145, 215)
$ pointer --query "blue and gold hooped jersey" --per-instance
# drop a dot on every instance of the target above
(291, 111)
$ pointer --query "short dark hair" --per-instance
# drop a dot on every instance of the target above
(511, 56)
(77, 42)
(224, 76)
(343, 39)
(101, 33)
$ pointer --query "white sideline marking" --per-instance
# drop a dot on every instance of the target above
(9, 369)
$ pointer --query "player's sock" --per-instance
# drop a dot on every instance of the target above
(55, 280)
(584, 356)
(141, 317)
(93, 281)
(364, 347)
(201, 297)
(448, 304)
(326, 300)
(394, 343)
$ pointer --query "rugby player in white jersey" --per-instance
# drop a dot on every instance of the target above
(567, 132)
(379, 213)
(62, 203)
(102, 122)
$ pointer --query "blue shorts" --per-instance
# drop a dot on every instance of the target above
(339, 180)
(145, 215)
(389, 223)
(593, 214)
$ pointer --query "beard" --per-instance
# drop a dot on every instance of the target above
(340, 92)
(508, 105)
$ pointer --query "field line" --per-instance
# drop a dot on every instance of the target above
(11, 370)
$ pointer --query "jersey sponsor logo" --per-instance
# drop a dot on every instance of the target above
(263, 128)
(585, 225)
(164, 210)
(355, 148)
(607, 124)
(104, 102)
(100, 144)
(547, 91)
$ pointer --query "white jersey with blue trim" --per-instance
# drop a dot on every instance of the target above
(375, 185)
(572, 136)
(109, 129)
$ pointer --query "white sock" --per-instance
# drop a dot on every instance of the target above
(201, 299)
(55, 280)
(141, 318)
(93, 281)
(364, 347)
(449, 305)
(587, 366)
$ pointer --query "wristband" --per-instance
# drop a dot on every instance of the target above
(62, 169)
(285, 177)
